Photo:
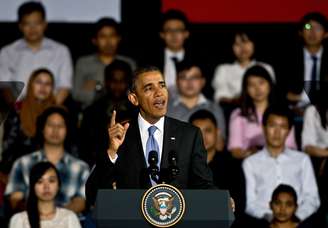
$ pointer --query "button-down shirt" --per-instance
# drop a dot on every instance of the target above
(308, 65)
(18, 61)
(169, 67)
(73, 175)
(264, 173)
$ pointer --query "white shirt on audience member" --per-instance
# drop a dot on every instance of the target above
(308, 65)
(313, 134)
(263, 173)
(63, 218)
(228, 78)
(18, 61)
(169, 67)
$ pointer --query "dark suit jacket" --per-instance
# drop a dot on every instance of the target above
(129, 170)
(291, 79)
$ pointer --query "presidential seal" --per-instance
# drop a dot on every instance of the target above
(163, 205)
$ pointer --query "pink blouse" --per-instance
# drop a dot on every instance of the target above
(245, 134)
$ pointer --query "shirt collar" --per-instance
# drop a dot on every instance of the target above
(45, 44)
(308, 55)
(201, 100)
(282, 155)
(179, 55)
(144, 125)
(64, 159)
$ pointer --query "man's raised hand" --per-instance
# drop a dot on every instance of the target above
(116, 133)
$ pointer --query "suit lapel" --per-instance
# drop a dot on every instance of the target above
(168, 141)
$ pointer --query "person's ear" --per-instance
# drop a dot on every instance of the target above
(203, 81)
(326, 35)
(94, 41)
(186, 34)
(133, 98)
(162, 35)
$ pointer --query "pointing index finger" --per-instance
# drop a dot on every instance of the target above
(112, 120)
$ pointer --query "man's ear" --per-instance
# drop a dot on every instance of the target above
(162, 35)
(326, 35)
(133, 98)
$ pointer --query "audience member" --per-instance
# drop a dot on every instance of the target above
(174, 33)
(20, 58)
(315, 139)
(308, 64)
(190, 82)
(94, 127)
(246, 135)
(41, 209)
(54, 133)
(89, 75)
(20, 126)
(228, 77)
(277, 164)
(218, 161)
(284, 205)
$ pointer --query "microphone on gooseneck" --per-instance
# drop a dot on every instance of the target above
(153, 169)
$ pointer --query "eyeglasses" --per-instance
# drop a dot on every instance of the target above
(174, 31)
(192, 78)
(316, 28)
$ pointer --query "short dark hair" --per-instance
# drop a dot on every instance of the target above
(173, 14)
(31, 7)
(203, 114)
(118, 65)
(283, 188)
(106, 22)
(314, 16)
(42, 119)
(187, 65)
(139, 71)
(279, 110)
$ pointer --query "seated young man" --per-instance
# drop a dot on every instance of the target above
(89, 73)
(190, 82)
(277, 164)
(218, 161)
(53, 132)
(33, 51)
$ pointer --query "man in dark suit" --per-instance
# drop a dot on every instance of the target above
(124, 164)
(309, 64)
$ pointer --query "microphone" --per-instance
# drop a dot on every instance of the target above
(173, 164)
(153, 169)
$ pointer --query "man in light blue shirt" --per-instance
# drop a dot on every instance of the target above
(20, 58)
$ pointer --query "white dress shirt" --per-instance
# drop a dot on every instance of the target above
(158, 134)
(228, 78)
(308, 64)
(264, 173)
(169, 67)
(313, 133)
(18, 61)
